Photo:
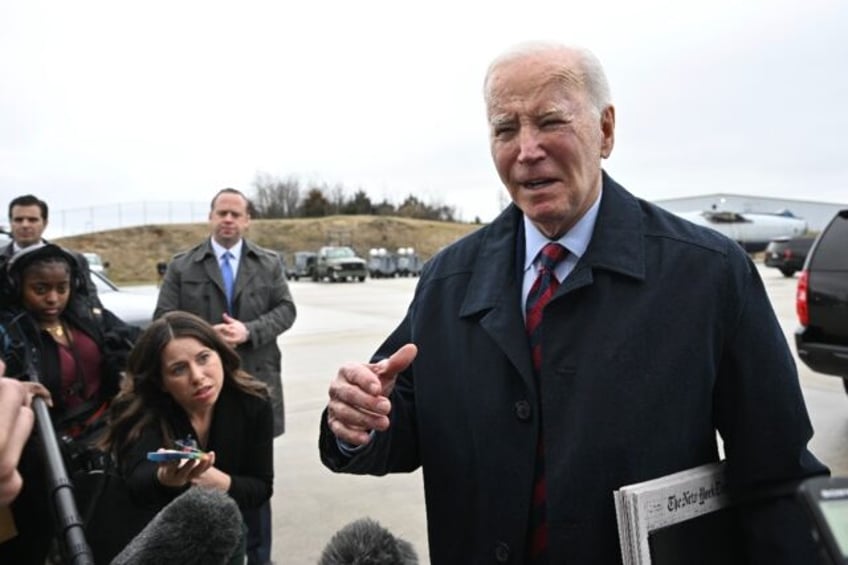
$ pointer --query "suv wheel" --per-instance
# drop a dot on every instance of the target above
(787, 272)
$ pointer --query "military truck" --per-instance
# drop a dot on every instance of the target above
(304, 265)
(408, 262)
(381, 263)
(339, 263)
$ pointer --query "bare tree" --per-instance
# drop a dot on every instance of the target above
(282, 198)
(412, 207)
(337, 198)
(276, 198)
(291, 198)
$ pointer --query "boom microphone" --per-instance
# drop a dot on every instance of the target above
(73, 545)
(366, 542)
(201, 526)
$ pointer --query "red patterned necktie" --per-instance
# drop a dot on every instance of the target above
(541, 292)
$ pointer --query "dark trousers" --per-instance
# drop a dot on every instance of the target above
(258, 523)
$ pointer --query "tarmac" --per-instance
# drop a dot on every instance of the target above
(336, 323)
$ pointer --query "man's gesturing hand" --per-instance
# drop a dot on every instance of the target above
(359, 396)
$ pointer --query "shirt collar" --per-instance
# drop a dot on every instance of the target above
(17, 248)
(576, 240)
(219, 249)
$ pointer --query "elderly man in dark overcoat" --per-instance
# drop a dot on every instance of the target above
(584, 340)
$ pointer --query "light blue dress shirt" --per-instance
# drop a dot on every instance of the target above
(576, 240)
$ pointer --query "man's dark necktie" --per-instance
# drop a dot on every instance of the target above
(541, 292)
(227, 276)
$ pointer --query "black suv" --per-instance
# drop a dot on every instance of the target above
(822, 302)
(788, 254)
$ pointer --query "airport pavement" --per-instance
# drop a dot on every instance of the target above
(336, 323)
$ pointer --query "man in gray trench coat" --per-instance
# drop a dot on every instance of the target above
(258, 310)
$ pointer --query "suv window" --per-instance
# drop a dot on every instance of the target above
(830, 253)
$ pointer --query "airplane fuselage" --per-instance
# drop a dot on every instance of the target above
(751, 231)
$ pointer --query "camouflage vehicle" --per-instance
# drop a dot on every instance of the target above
(339, 263)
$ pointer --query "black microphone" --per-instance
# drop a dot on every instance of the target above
(73, 544)
(200, 526)
(366, 542)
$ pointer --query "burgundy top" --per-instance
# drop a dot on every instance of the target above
(75, 391)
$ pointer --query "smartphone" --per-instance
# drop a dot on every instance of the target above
(172, 455)
(826, 499)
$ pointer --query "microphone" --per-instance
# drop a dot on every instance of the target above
(200, 526)
(366, 542)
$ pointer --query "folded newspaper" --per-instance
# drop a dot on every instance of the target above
(648, 507)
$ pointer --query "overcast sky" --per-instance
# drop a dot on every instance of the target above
(107, 102)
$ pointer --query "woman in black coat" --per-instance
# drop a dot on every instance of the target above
(50, 331)
(185, 384)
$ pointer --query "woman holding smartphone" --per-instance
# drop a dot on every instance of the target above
(186, 386)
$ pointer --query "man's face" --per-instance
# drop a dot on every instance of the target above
(547, 140)
(27, 225)
(229, 219)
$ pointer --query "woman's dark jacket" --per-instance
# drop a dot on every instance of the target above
(241, 435)
(27, 350)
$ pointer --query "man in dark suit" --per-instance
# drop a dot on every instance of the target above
(584, 340)
(27, 222)
(241, 289)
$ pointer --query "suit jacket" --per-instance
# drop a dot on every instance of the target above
(661, 336)
(261, 300)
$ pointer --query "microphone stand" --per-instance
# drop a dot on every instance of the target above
(61, 490)
(75, 549)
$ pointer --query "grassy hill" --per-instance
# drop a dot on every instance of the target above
(132, 253)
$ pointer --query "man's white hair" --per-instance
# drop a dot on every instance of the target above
(591, 71)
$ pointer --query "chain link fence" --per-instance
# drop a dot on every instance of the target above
(76, 221)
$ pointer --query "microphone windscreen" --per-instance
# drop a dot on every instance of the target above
(200, 526)
(366, 542)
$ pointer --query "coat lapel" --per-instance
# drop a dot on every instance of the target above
(246, 271)
(205, 257)
(494, 293)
